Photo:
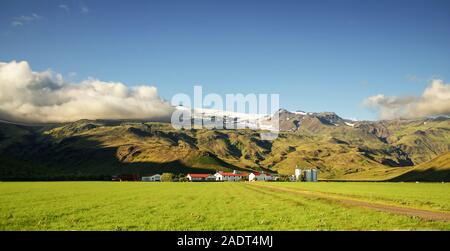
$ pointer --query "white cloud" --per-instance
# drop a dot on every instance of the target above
(21, 20)
(29, 96)
(64, 7)
(412, 78)
(435, 100)
(31, 18)
(84, 9)
(16, 23)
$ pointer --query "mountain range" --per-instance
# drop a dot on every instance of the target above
(341, 149)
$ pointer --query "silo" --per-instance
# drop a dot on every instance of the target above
(314, 175)
(308, 175)
(298, 174)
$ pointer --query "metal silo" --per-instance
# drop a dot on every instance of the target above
(314, 175)
(308, 175)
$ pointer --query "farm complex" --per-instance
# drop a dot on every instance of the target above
(309, 175)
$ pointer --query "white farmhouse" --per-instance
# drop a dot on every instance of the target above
(200, 177)
(155, 177)
(226, 176)
(256, 176)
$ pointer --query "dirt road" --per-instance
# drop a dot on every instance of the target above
(425, 214)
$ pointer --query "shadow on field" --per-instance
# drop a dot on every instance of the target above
(430, 175)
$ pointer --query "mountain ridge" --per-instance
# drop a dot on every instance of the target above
(339, 148)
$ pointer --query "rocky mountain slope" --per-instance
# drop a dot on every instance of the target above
(339, 148)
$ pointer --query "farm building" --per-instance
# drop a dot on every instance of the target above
(256, 176)
(126, 177)
(309, 175)
(200, 177)
(226, 176)
(155, 177)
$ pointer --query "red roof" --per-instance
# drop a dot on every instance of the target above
(233, 174)
(199, 175)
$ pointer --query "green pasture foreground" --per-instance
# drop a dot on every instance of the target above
(206, 206)
(430, 196)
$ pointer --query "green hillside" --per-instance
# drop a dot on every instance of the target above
(437, 169)
(98, 149)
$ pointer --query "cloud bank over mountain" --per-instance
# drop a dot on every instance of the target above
(434, 101)
(28, 96)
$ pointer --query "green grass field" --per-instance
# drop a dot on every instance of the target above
(430, 196)
(207, 206)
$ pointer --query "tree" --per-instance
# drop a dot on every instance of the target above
(283, 178)
(167, 177)
(183, 179)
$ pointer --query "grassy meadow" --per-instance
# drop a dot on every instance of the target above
(208, 206)
(429, 196)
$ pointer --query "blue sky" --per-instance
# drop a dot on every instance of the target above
(318, 55)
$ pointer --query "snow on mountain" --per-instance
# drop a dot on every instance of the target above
(299, 112)
(349, 124)
(241, 120)
(288, 120)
